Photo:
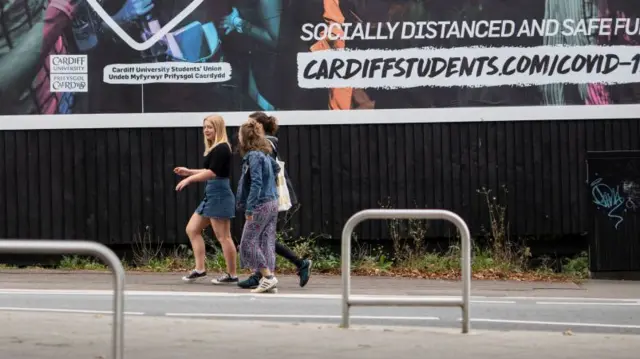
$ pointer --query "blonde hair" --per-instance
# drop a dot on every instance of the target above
(220, 136)
(253, 138)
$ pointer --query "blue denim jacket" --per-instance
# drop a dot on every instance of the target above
(257, 184)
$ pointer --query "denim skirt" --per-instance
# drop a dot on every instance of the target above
(219, 201)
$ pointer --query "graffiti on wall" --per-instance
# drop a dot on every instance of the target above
(616, 200)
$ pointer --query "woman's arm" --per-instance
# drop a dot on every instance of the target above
(201, 175)
(131, 11)
(255, 170)
(268, 32)
(193, 172)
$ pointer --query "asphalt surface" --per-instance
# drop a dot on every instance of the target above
(593, 306)
(595, 315)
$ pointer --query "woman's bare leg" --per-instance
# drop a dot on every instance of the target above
(196, 225)
(222, 230)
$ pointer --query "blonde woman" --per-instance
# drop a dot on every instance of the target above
(218, 206)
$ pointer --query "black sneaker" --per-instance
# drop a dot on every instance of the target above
(194, 275)
(305, 272)
(250, 283)
(225, 279)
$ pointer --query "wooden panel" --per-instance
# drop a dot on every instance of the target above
(11, 183)
(547, 179)
(4, 188)
(146, 161)
(537, 178)
(182, 213)
(68, 203)
(474, 180)
(108, 185)
(125, 185)
(615, 181)
(310, 188)
(156, 168)
(33, 180)
(22, 181)
(103, 177)
(528, 209)
(582, 176)
(490, 143)
(501, 160)
(448, 165)
(349, 175)
(91, 192)
(436, 189)
(79, 173)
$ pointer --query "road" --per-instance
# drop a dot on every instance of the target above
(578, 314)
(50, 315)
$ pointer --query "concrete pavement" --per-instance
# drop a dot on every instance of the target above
(320, 284)
(53, 336)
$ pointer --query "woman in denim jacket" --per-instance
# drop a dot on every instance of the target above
(257, 196)
(270, 126)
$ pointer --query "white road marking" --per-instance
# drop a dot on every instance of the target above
(585, 299)
(69, 292)
(55, 310)
(591, 303)
(163, 293)
(295, 316)
(303, 316)
(563, 324)
(475, 299)
(493, 301)
(217, 294)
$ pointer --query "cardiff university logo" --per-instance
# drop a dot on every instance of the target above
(141, 46)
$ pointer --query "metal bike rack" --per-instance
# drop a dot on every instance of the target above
(85, 248)
(463, 302)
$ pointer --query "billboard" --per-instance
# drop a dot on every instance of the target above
(152, 63)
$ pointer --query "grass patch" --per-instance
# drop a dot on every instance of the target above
(366, 260)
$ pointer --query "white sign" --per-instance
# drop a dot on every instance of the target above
(469, 67)
(68, 64)
(167, 72)
(69, 83)
(69, 73)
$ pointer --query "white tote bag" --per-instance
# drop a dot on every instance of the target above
(284, 201)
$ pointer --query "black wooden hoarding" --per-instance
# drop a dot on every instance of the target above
(107, 184)
(614, 206)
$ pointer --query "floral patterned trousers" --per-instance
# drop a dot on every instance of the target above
(258, 243)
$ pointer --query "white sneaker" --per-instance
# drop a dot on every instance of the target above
(265, 285)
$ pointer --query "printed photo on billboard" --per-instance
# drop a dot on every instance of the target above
(148, 63)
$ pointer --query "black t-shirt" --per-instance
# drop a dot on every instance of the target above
(218, 160)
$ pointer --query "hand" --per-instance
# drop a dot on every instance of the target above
(229, 21)
(248, 217)
(182, 184)
(134, 9)
(181, 171)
